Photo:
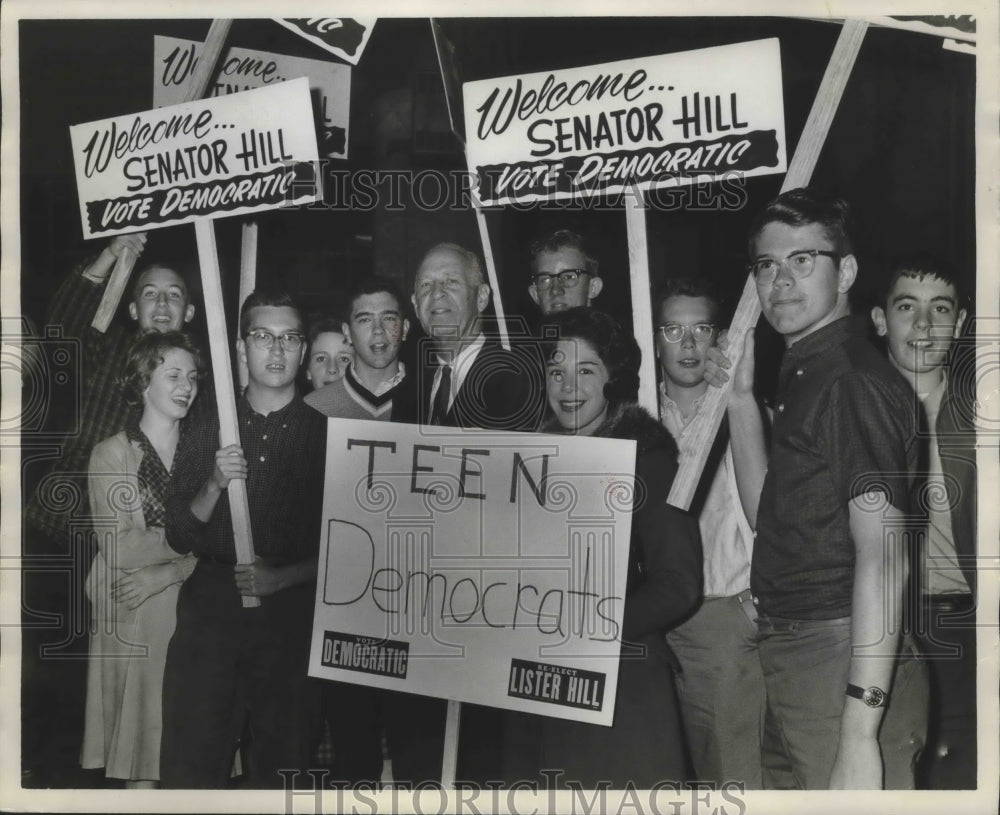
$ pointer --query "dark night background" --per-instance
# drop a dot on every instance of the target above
(901, 149)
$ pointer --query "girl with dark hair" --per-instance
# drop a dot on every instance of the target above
(592, 379)
(135, 576)
(330, 351)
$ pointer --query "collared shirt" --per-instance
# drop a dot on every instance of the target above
(286, 459)
(726, 537)
(844, 426)
(942, 574)
(460, 364)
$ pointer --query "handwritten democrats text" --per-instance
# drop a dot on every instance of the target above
(649, 122)
(472, 550)
(237, 154)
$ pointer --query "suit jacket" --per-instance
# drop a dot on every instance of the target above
(503, 390)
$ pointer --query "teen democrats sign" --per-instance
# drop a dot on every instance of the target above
(481, 567)
(231, 155)
(651, 122)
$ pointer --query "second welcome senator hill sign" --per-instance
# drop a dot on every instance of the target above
(231, 155)
(651, 122)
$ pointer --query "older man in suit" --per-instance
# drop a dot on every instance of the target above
(472, 381)
(467, 380)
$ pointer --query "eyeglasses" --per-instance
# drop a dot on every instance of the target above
(674, 332)
(290, 341)
(568, 278)
(800, 264)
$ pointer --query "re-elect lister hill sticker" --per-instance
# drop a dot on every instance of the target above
(556, 684)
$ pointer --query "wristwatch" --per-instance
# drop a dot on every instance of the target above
(873, 696)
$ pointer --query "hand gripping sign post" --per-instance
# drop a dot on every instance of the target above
(640, 125)
(628, 127)
(190, 163)
(194, 88)
(475, 566)
(706, 424)
(243, 69)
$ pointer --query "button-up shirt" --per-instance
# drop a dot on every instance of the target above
(943, 575)
(844, 425)
(726, 537)
(286, 455)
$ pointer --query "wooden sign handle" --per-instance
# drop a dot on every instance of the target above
(248, 281)
(197, 85)
(800, 169)
(491, 271)
(229, 432)
(642, 306)
(113, 291)
(210, 53)
(450, 759)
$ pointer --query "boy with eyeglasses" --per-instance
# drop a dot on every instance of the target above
(564, 272)
(226, 661)
(720, 684)
(828, 500)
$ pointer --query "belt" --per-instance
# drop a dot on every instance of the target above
(950, 602)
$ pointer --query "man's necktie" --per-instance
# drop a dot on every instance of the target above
(440, 408)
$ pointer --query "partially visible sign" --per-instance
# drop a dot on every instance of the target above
(451, 79)
(650, 122)
(242, 69)
(231, 155)
(483, 567)
(955, 26)
(344, 36)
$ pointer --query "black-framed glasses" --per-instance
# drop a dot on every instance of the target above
(264, 340)
(568, 278)
(674, 332)
(800, 264)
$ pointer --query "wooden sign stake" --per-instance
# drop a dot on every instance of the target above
(114, 290)
(197, 85)
(706, 424)
(248, 281)
(229, 432)
(491, 271)
(642, 307)
(450, 759)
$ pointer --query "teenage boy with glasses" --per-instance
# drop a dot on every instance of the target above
(720, 685)
(564, 272)
(828, 499)
(226, 661)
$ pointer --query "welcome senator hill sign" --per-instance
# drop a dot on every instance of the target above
(231, 155)
(650, 122)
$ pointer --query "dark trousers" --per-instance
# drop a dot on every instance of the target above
(226, 662)
(415, 726)
(948, 645)
(354, 715)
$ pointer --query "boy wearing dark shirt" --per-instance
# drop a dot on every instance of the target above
(224, 657)
(828, 499)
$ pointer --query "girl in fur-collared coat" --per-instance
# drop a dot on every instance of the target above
(591, 383)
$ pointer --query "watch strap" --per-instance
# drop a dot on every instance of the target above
(873, 696)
